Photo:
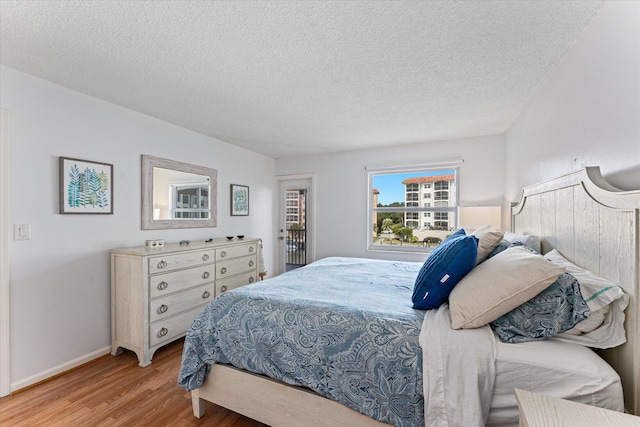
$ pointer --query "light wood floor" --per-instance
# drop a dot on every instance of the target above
(115, 391)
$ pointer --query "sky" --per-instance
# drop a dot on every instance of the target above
(391, 188)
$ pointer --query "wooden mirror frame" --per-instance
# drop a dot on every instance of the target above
(148, 222)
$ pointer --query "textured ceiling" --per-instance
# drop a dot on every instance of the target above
(285, 78)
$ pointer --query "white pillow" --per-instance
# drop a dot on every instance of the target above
(594, 321)
(526, 239)
(499, 285)
(607, 302)
(488, 240)
(596, 290)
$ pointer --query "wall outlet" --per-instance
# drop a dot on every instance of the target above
(21, 231)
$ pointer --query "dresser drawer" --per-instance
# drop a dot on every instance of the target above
(171, 327)
(183, 260)
(173, 304)
(164, 284)
(225, 285)
(236, 251)
(235, 266)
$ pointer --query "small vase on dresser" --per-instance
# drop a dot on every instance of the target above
(157, 292)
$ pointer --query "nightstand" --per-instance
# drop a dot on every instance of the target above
(539, 410)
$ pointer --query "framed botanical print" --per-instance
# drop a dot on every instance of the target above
(239, 200)
(86, 187)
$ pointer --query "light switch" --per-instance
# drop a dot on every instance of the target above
(21, 231)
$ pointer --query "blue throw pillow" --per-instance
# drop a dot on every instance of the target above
(556, 309)
(459, 232)
(449, 262)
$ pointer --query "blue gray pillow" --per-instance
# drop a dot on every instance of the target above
(504, 245)
(449, 262)
(556, 309)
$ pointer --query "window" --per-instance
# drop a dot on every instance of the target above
(399, 214)
(441, 221)
(441, 195)
(441, 185)
(191, 201)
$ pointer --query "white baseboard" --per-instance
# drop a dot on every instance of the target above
(34, 379)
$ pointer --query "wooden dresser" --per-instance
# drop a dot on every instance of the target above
(157, 292)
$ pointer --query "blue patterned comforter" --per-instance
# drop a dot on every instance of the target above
(342, 327)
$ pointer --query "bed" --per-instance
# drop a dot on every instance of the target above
(578, 215)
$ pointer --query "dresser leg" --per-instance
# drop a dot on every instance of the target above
(144, 359)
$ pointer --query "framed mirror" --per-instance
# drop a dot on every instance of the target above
(177, 195)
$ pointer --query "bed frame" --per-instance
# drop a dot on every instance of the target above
(595, 225)
(590, 222)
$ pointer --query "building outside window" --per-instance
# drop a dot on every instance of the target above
(295, 213)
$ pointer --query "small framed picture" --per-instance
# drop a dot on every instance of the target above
(86, 187)
(239, 200)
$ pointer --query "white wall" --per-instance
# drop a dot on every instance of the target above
(587, 112)
(342, 187)
(59, 280)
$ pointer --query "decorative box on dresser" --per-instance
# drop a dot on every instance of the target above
(157, 292)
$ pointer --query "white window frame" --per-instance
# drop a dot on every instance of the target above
(372, 172)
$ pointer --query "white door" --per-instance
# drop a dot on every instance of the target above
(295, 243)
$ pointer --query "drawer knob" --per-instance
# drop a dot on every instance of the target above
(250, 248)
(205, 275)
(251, 279)
(223, 288)
(251, 263)
(223, 270)
(162, 332)
(162, 309)
(162, 285)
(162, 264)
(223, 254)
(205, 257)
(206, 295)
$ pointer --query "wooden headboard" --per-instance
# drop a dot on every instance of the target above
(595, 225)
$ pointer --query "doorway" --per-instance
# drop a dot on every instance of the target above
(295, 222)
